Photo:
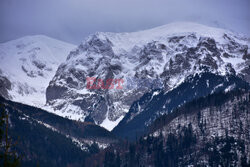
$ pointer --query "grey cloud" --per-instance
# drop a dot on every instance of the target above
(72, 20)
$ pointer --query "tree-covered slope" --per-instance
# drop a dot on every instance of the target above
(50, 140)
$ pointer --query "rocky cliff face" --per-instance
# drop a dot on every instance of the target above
(158, 58)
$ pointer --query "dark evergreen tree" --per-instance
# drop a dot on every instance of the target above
(94, 148)
(8, 157)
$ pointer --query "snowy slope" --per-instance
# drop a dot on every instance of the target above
(127, 41)
(167, 54)
(29, 63)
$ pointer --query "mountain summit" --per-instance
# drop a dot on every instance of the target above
(27, 66)
(165, 55)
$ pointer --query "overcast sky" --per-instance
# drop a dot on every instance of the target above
(73, 20)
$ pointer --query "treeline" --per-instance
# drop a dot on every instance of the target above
(213, 100)
(182, 147)
(32, 144)
(152, 151)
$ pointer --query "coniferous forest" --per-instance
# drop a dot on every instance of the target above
(186, 145)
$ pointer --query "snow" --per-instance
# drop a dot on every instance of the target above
(36, 59)
(127, 48)
(216, 87)
(110, 125)
(207, 82)
(30, 63)
(229, 88)
(154, 94)
(236, 63)
(126, 41)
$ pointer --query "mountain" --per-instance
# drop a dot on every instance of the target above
(27, 66)
(46, 139)
(158, 102)
(182, 89)
(162, 57)
(219, 125)
(209, 131)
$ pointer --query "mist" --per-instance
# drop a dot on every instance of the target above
(73, 20)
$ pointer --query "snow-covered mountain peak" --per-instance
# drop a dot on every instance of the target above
(37, 69)
(126, 41)
(167, 54)
(29, 63)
